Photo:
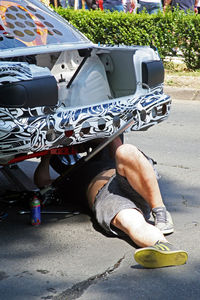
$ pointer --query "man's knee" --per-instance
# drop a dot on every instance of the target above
(129, 217)
(125, 155)
(127, 151)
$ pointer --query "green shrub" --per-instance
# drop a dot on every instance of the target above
(166, 32)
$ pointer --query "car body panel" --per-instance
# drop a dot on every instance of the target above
(58, 89)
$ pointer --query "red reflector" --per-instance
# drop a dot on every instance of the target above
(69, 133)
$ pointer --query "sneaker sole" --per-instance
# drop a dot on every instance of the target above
(153, 258)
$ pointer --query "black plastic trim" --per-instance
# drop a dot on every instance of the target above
(152, 73)
(40, 91)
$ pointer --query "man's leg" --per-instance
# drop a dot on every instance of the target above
(157, 251)
(132, 222)
(133, 165)
(42, 173)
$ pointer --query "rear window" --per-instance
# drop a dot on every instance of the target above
(30, 23)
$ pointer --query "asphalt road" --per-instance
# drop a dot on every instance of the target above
(68, 257)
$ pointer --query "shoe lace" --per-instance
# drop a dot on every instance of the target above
(160, 215)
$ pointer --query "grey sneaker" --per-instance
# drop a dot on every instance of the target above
(160, 255)
(163, 220)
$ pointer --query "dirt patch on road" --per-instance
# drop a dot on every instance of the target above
(182, 81)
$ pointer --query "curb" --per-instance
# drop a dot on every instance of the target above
(182, 93)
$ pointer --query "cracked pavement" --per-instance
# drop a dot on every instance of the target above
(78, 289)
(68, 257)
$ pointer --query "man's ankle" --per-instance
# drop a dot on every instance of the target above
(160, 206)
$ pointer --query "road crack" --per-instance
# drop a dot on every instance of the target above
(78, 289)
(185, 201)
(174, 166)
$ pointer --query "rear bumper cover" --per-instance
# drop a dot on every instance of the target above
(25, 130)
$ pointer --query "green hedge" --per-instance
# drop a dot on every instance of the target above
(164, 31)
